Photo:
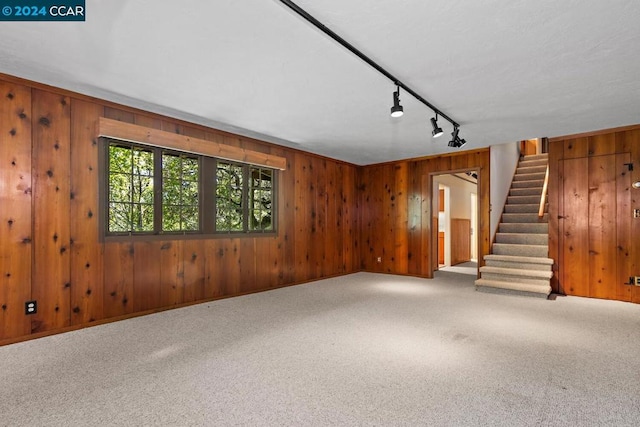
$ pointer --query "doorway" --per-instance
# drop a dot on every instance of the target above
(455, 222)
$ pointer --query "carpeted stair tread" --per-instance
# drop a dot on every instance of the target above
(523, 289)
(541, 156)
(524, 217)
(520, 250)
(524, 227)
(517, 272)
(531, 191)
(523, 238)
(524, 208)
(524, 200)
(531, 169)
(514, 286)
(519, 259)
(538, 176)
(534, 183)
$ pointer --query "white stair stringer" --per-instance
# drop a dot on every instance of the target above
(519, 262)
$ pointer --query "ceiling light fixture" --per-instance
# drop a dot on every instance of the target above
(437, 131)
(397, 110)
(319, 25)
(456, 142)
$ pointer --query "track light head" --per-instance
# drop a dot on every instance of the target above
(456, 142)
(437, 131)
(397, 110)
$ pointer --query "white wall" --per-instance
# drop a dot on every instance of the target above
(459, 193)
(503, 163)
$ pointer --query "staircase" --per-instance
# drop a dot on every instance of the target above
(519, 262)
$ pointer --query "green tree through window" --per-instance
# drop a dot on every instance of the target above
(155, 191)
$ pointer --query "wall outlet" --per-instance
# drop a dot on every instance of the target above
(636, 213)
(31, 307)
(636, 280)
(379, 259)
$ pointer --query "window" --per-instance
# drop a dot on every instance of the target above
(151, 190)
(244, 198)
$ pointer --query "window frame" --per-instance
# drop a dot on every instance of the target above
(207, 196)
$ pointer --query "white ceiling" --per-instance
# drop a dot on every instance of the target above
(506, 70)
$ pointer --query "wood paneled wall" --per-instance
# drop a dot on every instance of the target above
(51, 248)
(398, 214)
(592, 232)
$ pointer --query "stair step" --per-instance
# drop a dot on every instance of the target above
(519, 192)
(518, 272)
(526, 169)
(534, 162)
(524, 289)
(538, 176)
(541, 156)
(522, 238)
(523, 200)
(519, 259)
(524, 265)
(535, 183)
(523, 208)
(523, 227)
(520, 250)
(524, 217)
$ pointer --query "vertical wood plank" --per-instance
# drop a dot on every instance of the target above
(623, 219)
(193, 267)
(146, 276)
(171, 273)
(602, 226)
(87, 299)
(118, 279)
(51, 188)
(575, 226)
(15, 209)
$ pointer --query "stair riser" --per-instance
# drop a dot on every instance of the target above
(535, 228)
(541, 156)
(523, 208)
(520, 250)
(528, 218)
(533, 191)
(529, 177)
(522, 239)
(524, 266)
(528, 184)
(523, 200)
(532, 163)
(531, 169)
(514, 279)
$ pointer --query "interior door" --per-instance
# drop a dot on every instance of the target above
(595, 227)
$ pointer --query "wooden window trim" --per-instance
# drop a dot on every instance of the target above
(158, 138)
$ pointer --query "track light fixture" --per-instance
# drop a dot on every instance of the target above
(456, 142)
(437, 131)
(397, 110)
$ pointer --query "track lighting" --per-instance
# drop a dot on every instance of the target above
(396, 110)
(437, 131)
(456, 142)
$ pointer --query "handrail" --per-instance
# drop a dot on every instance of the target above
(543, 196)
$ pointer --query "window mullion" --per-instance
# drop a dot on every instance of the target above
(157, 190)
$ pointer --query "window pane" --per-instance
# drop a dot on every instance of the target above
(142, 217)
(130, 197)
(180, 186)
(119, 217)
(261, 198)
(229, 187)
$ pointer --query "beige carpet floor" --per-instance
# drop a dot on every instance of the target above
(363, 349)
